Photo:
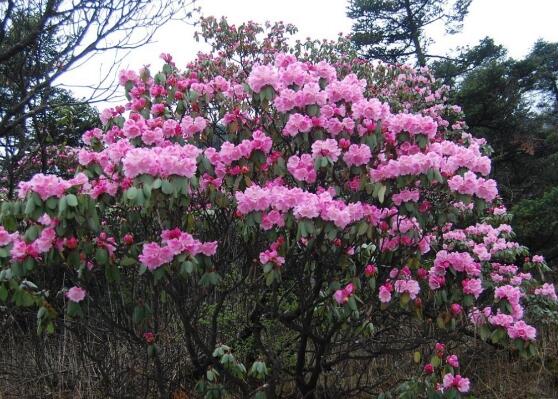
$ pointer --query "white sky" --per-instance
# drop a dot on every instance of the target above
(516, 24)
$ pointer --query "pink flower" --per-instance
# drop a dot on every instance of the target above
(149, 338)
(428, 369)
(384, 294)
(153, 255)
(538, 259)
(271, 256)
(453, 361)
(455, 309)
(190, 125)
(521, 330)
(357, 155)
(547, 290)
(405, 196)
(410, 287)
(370, 270)
(472, 287)
(297, 123)
(45, 185)
(302, 168)
(128, 239)
(457, 382)
(5, 237)
(76, 294)
(326, 148)
(261, 76)
(342, 296)
(439, 348)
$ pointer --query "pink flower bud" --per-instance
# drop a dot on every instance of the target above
(455, 309)
(428, 369)
(370, 270)
(128, 239)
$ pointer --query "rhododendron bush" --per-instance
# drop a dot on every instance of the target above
(296, 217)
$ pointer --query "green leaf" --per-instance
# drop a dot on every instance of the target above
(101, 256)
(73, 258)
(186, 267)
(74, 309)
(72, 201)
(29, 206)
(132, 193)
(62, 204)
(138, 314)
(128, 261)
(28, 264)
(362, 228)
(167, 187)
(3, 293)
(382, 193)
(484, 332)
(52, 203)
(352, 304)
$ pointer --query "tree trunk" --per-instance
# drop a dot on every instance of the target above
(415, 36)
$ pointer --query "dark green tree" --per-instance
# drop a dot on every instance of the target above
(394, 30)
(513, 104)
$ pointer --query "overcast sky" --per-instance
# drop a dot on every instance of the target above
(516, 24)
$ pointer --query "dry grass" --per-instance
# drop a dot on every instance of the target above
(53, 367)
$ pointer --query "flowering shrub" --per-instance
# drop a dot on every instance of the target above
(339, 205)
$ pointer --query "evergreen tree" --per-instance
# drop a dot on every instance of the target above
(393, 30)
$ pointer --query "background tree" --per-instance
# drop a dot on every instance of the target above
(513, 104)
(393, 30)
(40, 40)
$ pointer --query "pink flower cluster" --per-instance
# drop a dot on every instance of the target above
(459, 156)
(357, 155)
(548, 290)
(5, 237)
(179, 160)
(190, 125)
(21, 250)
(405, 196)
(175, 242)
(261, 76)
(521, 330)
(513, 296)
(326, 148)
(470, 184)
(303, 204)
(412, 124)
(472, 287)
(230, 153)
(458, 261)
(297, 123)
(302, 168)
(404, 165)
(47, 186)
(409, 286)
(451, 381)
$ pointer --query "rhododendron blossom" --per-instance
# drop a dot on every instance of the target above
(76, 294)
(457, 382)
